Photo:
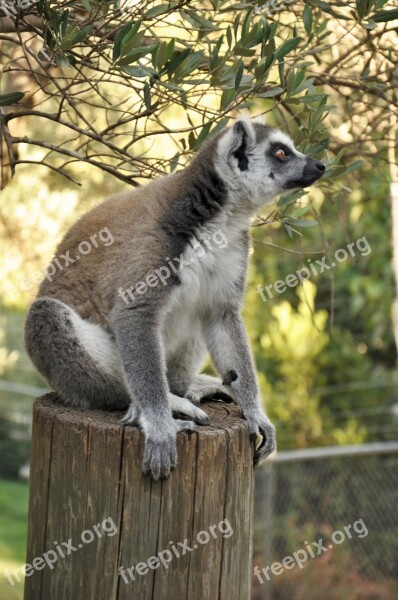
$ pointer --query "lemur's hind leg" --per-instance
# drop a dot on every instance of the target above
(81, 362)
(78, 359)
(182, 374)
(206, 386)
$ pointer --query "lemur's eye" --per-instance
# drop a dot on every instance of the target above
(279, 153)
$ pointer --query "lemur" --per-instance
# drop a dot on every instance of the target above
(145, 355)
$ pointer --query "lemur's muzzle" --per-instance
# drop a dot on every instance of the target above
(313, 171)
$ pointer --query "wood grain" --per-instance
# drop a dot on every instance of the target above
(86, 487)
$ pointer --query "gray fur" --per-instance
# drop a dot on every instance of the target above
(101, 346)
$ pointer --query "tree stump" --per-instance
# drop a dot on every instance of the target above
(124, 536)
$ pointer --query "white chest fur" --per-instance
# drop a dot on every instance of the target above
(212, 264)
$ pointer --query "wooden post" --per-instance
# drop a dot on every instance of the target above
(90, 502)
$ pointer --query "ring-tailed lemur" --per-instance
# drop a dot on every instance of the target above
(98, 351)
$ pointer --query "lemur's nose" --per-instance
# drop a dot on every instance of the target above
(319, 166)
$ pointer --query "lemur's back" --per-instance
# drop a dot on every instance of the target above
(107, 248)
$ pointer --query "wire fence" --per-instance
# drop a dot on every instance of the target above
(326, 525)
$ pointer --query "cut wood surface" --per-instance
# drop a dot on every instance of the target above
(90, 502)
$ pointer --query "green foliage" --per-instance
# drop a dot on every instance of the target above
(12, 98)
(208, 60)
(292, 342)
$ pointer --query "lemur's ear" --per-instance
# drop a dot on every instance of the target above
(243, 138)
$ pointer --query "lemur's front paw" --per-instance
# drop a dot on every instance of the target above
(260, 425)
(160, 453)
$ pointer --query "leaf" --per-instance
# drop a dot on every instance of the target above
(136, 71)
(263, 66)
(246, 23)
(155, 11)
(299, 212)
(236, 25)
(332, 171)
(362, 8)
(321, 146)
(177, 58)
(307, 20)
(130, 35)
(272, 92)
(62, 60)
(239, 74)
(81, 34)
(118, 41)
(196, 20)
(355, 165)
(174, 162)
(170, 49)
(229, 37)
(147, 96)
(55, 20)
(134, 55)
(385, 15)
(203, 135)
(269, 49)
(300, 222)
(189, 65)
(290, 198)
(131, 41)
(12, 98)
(325, 7)
(298, 80)
(242, 51)
(66, 43)
(287, 47)
(191, 140)
(369, 24)
(281, 69)
(227, 97)
(288, 230)
(63, 23)
(220, 125)
(272, 31)
(161, 56)
(75, 36)
(312, 98)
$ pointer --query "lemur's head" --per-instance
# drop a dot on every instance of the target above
(262, 162)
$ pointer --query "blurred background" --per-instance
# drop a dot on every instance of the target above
(96, 96)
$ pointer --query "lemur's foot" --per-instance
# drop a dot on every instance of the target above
(205, 386)
(181, 406)
(131, 416)
(184, 406)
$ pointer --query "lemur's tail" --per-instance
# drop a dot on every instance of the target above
(77, 358)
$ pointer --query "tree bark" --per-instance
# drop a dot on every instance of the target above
(86, 476)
